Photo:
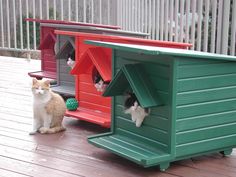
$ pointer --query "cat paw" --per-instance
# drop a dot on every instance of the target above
(133, 119)
(32, 132)
(138, 122)
(43, 130)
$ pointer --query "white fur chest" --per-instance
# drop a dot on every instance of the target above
(39, 105)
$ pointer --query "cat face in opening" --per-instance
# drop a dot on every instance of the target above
(40, 87)
(71, 59)
(99, 83)
(132, 107)
(130, 101)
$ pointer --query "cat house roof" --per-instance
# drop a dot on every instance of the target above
(133, 77)
(68, 47)
(150, 50)
(94, 57)
(47, 42)
(125, 39)
(63, 22)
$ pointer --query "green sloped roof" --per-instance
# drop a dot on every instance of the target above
(130, 76)
(162, 51)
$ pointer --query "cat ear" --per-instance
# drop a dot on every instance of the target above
(47, 82)
(34, 81)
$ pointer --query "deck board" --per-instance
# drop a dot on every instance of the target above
(68, 154)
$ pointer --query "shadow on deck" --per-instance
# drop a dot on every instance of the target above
(68, 153)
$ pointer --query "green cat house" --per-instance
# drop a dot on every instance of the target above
(192, 97)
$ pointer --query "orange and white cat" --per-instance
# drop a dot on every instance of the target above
(48, 108)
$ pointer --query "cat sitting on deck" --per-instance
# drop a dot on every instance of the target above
(48, 108)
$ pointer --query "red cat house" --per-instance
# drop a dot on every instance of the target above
(66, 45)
(48, 40)
(93, 107)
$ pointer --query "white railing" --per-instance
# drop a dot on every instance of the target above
(210, 25)
(19, 35)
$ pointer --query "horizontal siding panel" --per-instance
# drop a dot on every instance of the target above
(151, 120)
(154, 70)
(51, 69)
(205, 121)
(206, 145)
(162, 84)
(64, 68)
(190, 71)
(164, 97)
(67, 83)
(89, 88)
(162, 111)
(205, 108)
(48, 53)
(49, 63)
(85, 78)
(205, 133)
(205, 95)
(67, 78)
(95, 107)
(144, 130)
(186, 61)
(96, 99)
(121, 61)
(133, 57)
(207, 82)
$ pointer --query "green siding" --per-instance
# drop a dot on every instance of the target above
(199, 111)
(207, 82)
(205, 106)
(208, 69)
(209, 95)
(156, 126)
(204, 146)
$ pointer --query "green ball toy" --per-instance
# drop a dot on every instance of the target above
(72, 104)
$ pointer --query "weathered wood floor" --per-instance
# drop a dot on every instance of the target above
(68, 154)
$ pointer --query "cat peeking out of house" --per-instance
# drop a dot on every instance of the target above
(98, 81)
(132, 107)
(71, 59)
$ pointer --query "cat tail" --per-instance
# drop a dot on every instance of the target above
(56, 129)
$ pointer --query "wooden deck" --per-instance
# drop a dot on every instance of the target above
(68, 154)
